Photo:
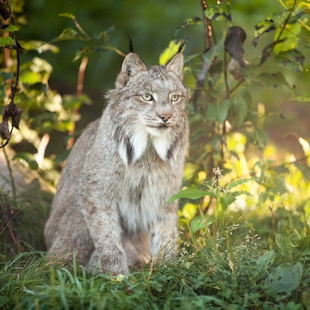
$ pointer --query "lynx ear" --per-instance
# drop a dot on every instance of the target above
(132, 65)
(175, 65)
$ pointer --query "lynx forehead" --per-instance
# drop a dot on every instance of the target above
(110, 208)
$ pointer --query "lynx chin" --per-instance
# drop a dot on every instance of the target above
(110, 209)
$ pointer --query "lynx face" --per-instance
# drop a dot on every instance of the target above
(160, 102)
(152, 100)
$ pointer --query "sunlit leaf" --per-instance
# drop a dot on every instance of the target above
(269, 24)
(290, 38)
(189, 210)
(9, 28)
(292, 60)
(40, 46)
(29, 77)
(218, 12)
(6, 41)
(68, 15)
(229, 198)
(191, 193)
(284, 279)
(169, 52)
(238, 182)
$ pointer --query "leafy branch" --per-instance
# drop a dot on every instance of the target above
(10, 110)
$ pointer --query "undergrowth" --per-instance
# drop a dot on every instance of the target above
(230, 268)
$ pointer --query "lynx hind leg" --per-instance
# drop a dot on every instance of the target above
(73, 240)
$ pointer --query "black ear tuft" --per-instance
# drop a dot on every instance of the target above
(130, 44)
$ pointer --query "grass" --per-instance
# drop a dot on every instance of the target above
(242, 271)
(228, 259)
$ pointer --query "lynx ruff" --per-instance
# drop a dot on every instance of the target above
(110, 209)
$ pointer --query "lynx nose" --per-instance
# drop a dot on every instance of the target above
(165, 116)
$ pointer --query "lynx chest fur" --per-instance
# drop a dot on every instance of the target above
(110, 208)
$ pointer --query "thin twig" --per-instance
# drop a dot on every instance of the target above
(79, 92)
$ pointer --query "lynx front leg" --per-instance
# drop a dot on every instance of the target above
(164, 236)
(106, 234)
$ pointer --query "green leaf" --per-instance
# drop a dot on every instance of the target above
(290, 38)
(263, 263)
(280, 187)
(240, 109)
(85, 50)
(209, 55)
(269, 24)
(69, 34)
(273, 80)
(189, 22)
(291, 60)
(218, 111)
(218, 12)
(29, 77)
(6, 41)
(304, 243)
(303, 98)
(40, 46)
(284, 279)
(9, 28)
(304, 169)
(238, 182)
(261, 137)
(106, 35)
(68, 15)
(229, 198)
(200, 222)
(27, 159)
(191, 193)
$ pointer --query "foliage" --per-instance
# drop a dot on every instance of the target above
(244, 218)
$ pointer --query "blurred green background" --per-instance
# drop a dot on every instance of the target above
(152, 25)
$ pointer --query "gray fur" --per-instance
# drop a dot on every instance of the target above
(111, 205)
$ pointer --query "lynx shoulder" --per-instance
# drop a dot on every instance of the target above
(110, 208)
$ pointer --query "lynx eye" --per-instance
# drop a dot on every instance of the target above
(175, 98)
(147, 97)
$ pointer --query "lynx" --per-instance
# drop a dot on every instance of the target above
(111, 208)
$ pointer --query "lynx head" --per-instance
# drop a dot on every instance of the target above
(151, 101)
